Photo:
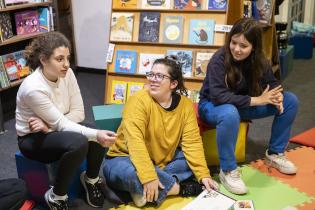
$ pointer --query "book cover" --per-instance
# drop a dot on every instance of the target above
(185, 58)
(202, 60)
(10, 66)
(5, 26)
(201, 32)
(126, 61)
(118, 92)
(244, 205)
(44, 22)
(264, 10)
(193, 95)
(217, 4)
(212, 200)
(133, 87)
(156, 4)
(146, 61)
(188, 4)
(173, 29)
(149, 28)
(121, 26)
(121, 4)
(26, 22)
(23, 69)
(247, 9)
(5, 82)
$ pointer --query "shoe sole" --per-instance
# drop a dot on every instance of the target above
(86, 191)
(47, 200)
(229, 188)
(272, 164)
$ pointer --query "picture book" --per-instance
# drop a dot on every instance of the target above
(244, 205)
(217, 4)
(44, 19)
(173, 29)
(264, 10)
(133, 87)
(118, 92)
(201, 32)
(146, 61)
(5, 82)
(188, 4)
(23, 69)
(149, 28)
(121, 4)
(156, 4)
(247, 9)
(5, 26)
(193, 95)
(10, 66)
(185, 59)
(121, 26)
(202, 60)
(126, 61)
(26, 22)
(212, 200)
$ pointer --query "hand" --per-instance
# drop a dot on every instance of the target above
(210, 183)
(37, 125)
(273, 96)
(151, 190)
(106, 138)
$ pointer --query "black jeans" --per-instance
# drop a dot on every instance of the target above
(69, 148)
(13, 194)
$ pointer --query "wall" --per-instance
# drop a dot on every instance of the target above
(91, 22)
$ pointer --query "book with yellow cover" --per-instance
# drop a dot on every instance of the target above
(134, 87)
(121, 4)
(118, 92)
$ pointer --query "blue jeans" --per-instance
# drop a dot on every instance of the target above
(226, 118)
(121, 174)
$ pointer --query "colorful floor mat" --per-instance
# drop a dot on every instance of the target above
(306, 138)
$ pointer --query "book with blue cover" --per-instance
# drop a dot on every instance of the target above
(188, 4)
(185, 59)
(217, 4)
(201, 32)
(126, 61)
(44, 21)
(173, 29)
(149, 27)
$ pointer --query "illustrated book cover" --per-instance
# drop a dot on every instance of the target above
(264, 10)
(10, 65)
(44, 19)
(146, 61)
(188, 4)
(202, 60)
(23, 69)
(121, 4)
(133, 87)
(118, 92)
(5, 26)
(173, 29)
(26, 22)
(121, 26)
(126, 61)
(185, 59)
(149, 28)
(217, 4)
(244, 205)
(156, 4)
(201, 32)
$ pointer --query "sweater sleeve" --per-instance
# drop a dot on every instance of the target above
(269, 78)
(46, 110)
(135, 122)
(192, 145)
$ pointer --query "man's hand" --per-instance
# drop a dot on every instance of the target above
(106, 138)
(37, 125)
(151, 190)
(210, 183)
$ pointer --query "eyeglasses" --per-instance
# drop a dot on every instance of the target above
(158, 76)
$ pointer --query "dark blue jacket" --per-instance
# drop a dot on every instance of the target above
(214, 87)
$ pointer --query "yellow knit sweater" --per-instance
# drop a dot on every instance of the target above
(150, 135)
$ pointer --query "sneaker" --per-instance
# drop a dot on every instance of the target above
(280, 162)
(94, 195)
(55, 204)
(190, 188)
(233, 182)
(139, 200)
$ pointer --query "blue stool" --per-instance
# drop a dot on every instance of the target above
(39, 176)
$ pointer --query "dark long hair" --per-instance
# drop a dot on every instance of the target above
(175, 71)
(253, 65)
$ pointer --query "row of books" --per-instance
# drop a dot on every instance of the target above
(201, 31)
(7, 3)
(171, 4)
(127, 61)
(261, 10)
(12, 67)
(26, 22)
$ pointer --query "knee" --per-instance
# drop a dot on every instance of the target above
(79, 144)
(139, 200)
(229, 115)
(290, 100)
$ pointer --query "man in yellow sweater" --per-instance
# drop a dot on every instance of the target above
(158, 147)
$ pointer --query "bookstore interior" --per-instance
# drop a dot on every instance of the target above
(141, 31)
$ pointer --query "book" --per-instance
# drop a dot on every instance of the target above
(244, 205)
(149, 27)
(212, 200)
(44, 19)
(188, 4)
(185, 58)
(264, 10)
(133, 87)
(120, 4)
(247, 8)
(26, 22)
(201, 32)
(202, 60)
(126, 61)
(217, 4)
(146, 61)
(118, 92)
(173, 29)
(23, 69)
(10, 66)
(121, 26)
(156, 4)
(193, 95)
(4, 79)
(5, 26)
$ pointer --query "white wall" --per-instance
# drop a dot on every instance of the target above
(91, 23)
(309, 12)
(283, 12)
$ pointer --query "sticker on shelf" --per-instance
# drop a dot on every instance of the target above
(110, 52)
(222, 28)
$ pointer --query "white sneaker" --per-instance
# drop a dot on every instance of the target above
(233, 182)
(280, 162)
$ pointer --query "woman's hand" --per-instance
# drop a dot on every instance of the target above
(37, 125)
(151, 190)
(209, 183)
(268, 97)
(106, 138)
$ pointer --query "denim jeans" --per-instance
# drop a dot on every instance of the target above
(226, 118)
(121, 174)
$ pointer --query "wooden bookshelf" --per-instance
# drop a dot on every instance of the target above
(26, 5)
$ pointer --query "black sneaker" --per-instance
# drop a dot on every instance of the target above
(190, 188)
(94, 195)
(55, 204)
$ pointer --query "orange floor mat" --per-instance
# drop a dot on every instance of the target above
(304, 158)
(306, 138)
(307, 206)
